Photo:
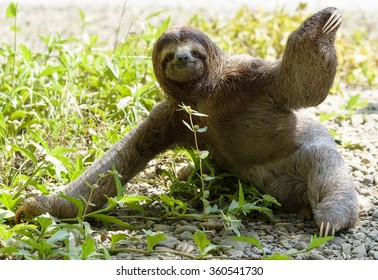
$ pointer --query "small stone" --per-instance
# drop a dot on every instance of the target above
(300, 245)
(300, 225)
(185, 248)
(358, 174)
(359, 235)
(170, 243)
(282, 229)
(376, 180)
(357, 120)
(286, 225)
(363, 202)
(211, 224)
(268, 237)
(364, 191)
(347, 248)
(161, 227)
(375, 255)
(190, 228)
(186, 235)
(236, 254)
(237, 245)
(375, 214)
(359, 251)
(267, 251)
(338, 240)
(315, 256)
(368, 180)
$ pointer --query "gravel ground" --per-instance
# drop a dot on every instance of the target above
(285, 233)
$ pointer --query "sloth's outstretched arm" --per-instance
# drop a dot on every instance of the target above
(308, 67)
(129, 156)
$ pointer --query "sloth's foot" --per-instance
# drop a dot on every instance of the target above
(335, 217)
(326, 230)
(333, 22)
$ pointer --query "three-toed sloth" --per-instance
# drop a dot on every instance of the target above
(255, 128)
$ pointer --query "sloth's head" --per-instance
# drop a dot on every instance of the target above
(185, 60)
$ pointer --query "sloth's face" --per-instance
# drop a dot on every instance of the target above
(184, 62)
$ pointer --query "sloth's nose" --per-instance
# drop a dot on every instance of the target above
(183, 56)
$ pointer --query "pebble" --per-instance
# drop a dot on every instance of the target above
(185, 248)
(267, 251)
(358, 174)
(376, 180)
(161, 227)
(315, 255)
(186, 235)
(189, 228)
(268, 237)
(359, 251)
(235, 254)
(368, 180)
(338, 240)
(211, 224)
(170, 243)
(237, 245)
(375, 214)
(359, 235)
(347, 248)
(300, 245)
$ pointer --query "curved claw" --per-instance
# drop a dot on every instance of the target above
(334, 21)
(327, 230)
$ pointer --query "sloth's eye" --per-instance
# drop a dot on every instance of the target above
(169, 57)
(195, 53)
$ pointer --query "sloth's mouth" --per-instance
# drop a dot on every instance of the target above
(189, 64)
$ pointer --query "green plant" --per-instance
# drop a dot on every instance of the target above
(76, 94)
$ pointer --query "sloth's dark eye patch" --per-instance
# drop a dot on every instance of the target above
(169, 57)
(196, 53)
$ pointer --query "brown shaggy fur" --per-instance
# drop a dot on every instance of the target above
(255, 128)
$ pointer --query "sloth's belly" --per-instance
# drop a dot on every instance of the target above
(250, 140)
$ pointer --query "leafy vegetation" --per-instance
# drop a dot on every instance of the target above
(62, 108)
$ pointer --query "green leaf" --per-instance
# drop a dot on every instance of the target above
(88, 248)
(76, 201)
(44, 222)
(7, 200)
(117, 179)
(241, 196)
(317, 242)
(60, 235)
(25, 152)
(278, 257)
(5, 234)
(115, 238)
(111, 219)
(12, 10)
(201, 241)
(251, 240)
(153, 239)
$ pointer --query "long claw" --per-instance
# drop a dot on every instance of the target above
(327, 229)
(331, 18)
(335, 25)
(321, 229)
(334, 20)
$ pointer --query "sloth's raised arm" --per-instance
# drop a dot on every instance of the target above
(308, 67)
(129, 156)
